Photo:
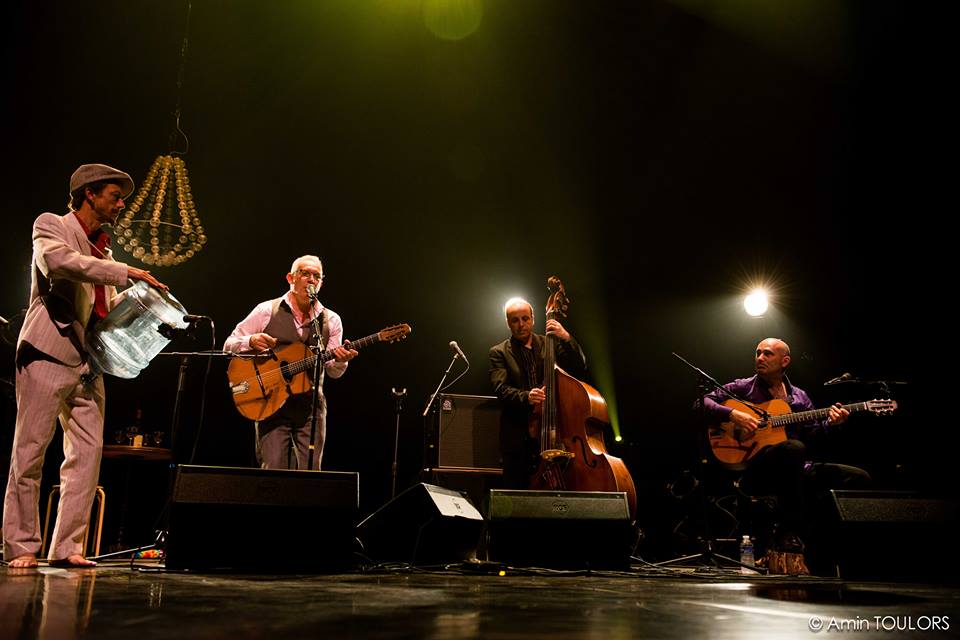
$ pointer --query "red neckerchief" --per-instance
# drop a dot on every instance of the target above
(101, 241)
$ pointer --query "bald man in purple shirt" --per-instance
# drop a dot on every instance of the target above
(781, 469)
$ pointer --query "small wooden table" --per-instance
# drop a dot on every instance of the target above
(127, 455)
(139, 453)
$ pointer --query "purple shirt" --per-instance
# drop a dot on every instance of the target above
(754, 390)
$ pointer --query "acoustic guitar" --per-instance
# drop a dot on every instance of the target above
(261, 384)
(730, 448)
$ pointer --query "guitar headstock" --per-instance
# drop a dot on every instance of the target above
(881, 407)
(558, 302)
(395, 333)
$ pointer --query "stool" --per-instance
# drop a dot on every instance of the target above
(99, 500)
(756, 515)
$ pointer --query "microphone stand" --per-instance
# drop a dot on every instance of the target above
(181, 382)
(884, 385)
(708, 555)
(433, 395)
(398, 397)
(706, 380)
(318, 351)
(170, 333)
(184, 356)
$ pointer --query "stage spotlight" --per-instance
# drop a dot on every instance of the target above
(756, 302)
(452, 19)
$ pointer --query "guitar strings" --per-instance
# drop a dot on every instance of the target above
(283, 370)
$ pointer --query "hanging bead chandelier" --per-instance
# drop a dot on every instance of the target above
(161, 226)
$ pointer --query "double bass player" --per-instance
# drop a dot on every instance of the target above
(517, 377)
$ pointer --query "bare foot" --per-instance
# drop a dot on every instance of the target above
(75, 560)
(26, 561)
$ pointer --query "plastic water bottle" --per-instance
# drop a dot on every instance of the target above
(746, 555)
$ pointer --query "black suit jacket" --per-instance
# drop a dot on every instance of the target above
(510, 385)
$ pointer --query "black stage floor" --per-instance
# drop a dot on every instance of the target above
(116, 601)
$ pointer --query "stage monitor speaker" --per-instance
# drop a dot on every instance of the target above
(475, 483)
(465, 432)
(425, 524)
(560, 529)
(894, 535)
(262, 519)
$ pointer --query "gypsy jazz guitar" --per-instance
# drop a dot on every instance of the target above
(261, 384)
(730, 449)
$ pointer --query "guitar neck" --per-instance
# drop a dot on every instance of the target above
(815, 414)
(326, 356)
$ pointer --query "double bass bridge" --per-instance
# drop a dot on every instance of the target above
(552, 455)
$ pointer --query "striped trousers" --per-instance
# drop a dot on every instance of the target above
(47, 391)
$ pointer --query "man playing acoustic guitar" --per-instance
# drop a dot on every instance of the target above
(285, 321)
(782, 468)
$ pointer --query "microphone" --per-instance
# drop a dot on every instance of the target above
(456, 347)
(169, 331)
(194, 319)
(312, 292)
(844, 377)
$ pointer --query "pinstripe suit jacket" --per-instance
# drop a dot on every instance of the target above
(65, 269)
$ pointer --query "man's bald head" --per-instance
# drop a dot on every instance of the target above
(776, 343)
(772, 358)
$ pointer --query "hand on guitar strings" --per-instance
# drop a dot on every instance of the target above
(344, 353)
(262, 342)
(838, 415)
(745, 424)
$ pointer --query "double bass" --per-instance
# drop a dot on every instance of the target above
(569, 425)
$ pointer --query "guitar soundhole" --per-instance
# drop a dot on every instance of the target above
(287, 375)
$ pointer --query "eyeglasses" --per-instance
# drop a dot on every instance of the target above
(313, 275)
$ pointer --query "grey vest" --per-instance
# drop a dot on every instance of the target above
(283, 327)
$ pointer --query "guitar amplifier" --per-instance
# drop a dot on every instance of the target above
(464, 433)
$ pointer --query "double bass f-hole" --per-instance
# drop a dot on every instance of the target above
(583, 450)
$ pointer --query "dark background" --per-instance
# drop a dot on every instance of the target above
(659, 157)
